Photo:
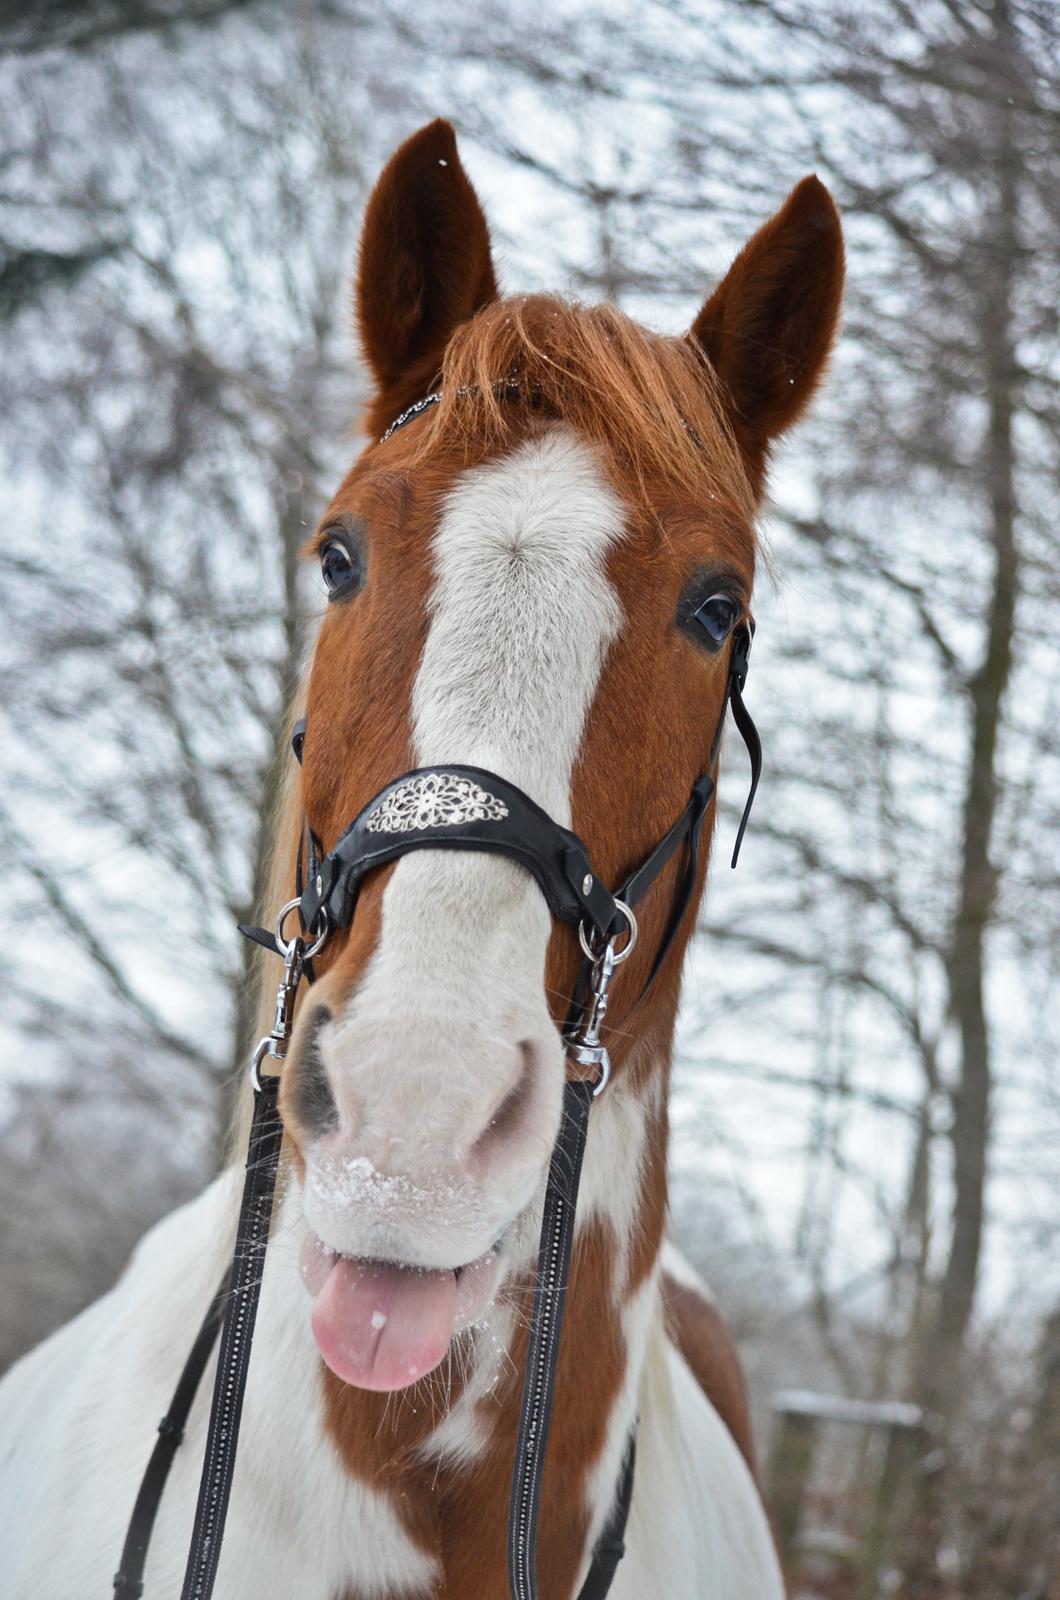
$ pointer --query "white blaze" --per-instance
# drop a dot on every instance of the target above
(521, 616)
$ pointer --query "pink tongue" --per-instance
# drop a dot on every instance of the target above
(382, 1327)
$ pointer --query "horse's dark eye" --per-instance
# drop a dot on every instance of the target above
(717, 617)
(339, 566)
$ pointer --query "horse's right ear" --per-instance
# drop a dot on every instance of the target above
(424, 267)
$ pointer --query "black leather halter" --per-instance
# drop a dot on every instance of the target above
(464, 808)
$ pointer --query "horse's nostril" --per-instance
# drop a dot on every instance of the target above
(311, 1100)
(513, 1111)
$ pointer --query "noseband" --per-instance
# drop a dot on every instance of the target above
(460, 808)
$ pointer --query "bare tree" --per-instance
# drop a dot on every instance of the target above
(180, 404)
(881, 976)
(83, 24)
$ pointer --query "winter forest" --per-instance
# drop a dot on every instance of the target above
(867, 1102)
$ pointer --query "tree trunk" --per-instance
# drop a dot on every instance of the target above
(940, 1375)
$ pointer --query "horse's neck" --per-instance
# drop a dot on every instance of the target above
(437, 1459)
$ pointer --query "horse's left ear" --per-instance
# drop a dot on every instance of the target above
(424, 267)
(768, 327)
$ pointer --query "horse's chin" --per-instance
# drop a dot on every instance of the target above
(381, 1325)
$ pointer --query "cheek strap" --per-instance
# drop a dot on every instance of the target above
(739, 665)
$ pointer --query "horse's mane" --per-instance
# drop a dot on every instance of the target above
(651, 402)
(284, 833)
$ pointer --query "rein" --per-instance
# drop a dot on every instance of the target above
(464, 808)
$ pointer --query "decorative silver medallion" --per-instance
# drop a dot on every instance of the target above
(436, 800)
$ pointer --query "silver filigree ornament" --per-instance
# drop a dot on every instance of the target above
(435, 800)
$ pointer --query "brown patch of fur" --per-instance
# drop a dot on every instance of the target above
(700, 1334)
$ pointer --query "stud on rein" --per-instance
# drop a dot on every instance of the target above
(463, 808)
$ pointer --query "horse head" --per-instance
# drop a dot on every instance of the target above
(539, 574)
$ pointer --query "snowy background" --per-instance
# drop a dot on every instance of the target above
(867, 1111)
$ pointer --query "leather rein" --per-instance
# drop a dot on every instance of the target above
(444, 807)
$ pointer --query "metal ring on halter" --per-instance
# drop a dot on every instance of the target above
(617, 955)
(283, 945)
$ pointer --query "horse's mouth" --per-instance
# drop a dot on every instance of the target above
(381, 1325)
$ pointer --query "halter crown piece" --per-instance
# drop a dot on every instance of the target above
(461, 808)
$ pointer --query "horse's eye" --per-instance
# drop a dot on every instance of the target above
(340, 567)
(717, 617)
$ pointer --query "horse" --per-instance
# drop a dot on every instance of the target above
(539, 572)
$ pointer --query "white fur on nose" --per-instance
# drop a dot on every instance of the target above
(521, 617)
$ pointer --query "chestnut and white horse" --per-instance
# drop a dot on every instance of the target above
(511, 577)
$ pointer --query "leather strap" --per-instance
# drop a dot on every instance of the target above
(263, 936)
(688, 823)
(546, 1324)
(687, 829)
(611, 1546)
(738, 665)
(508, 824)
(241, 1308)
(128, 1580)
